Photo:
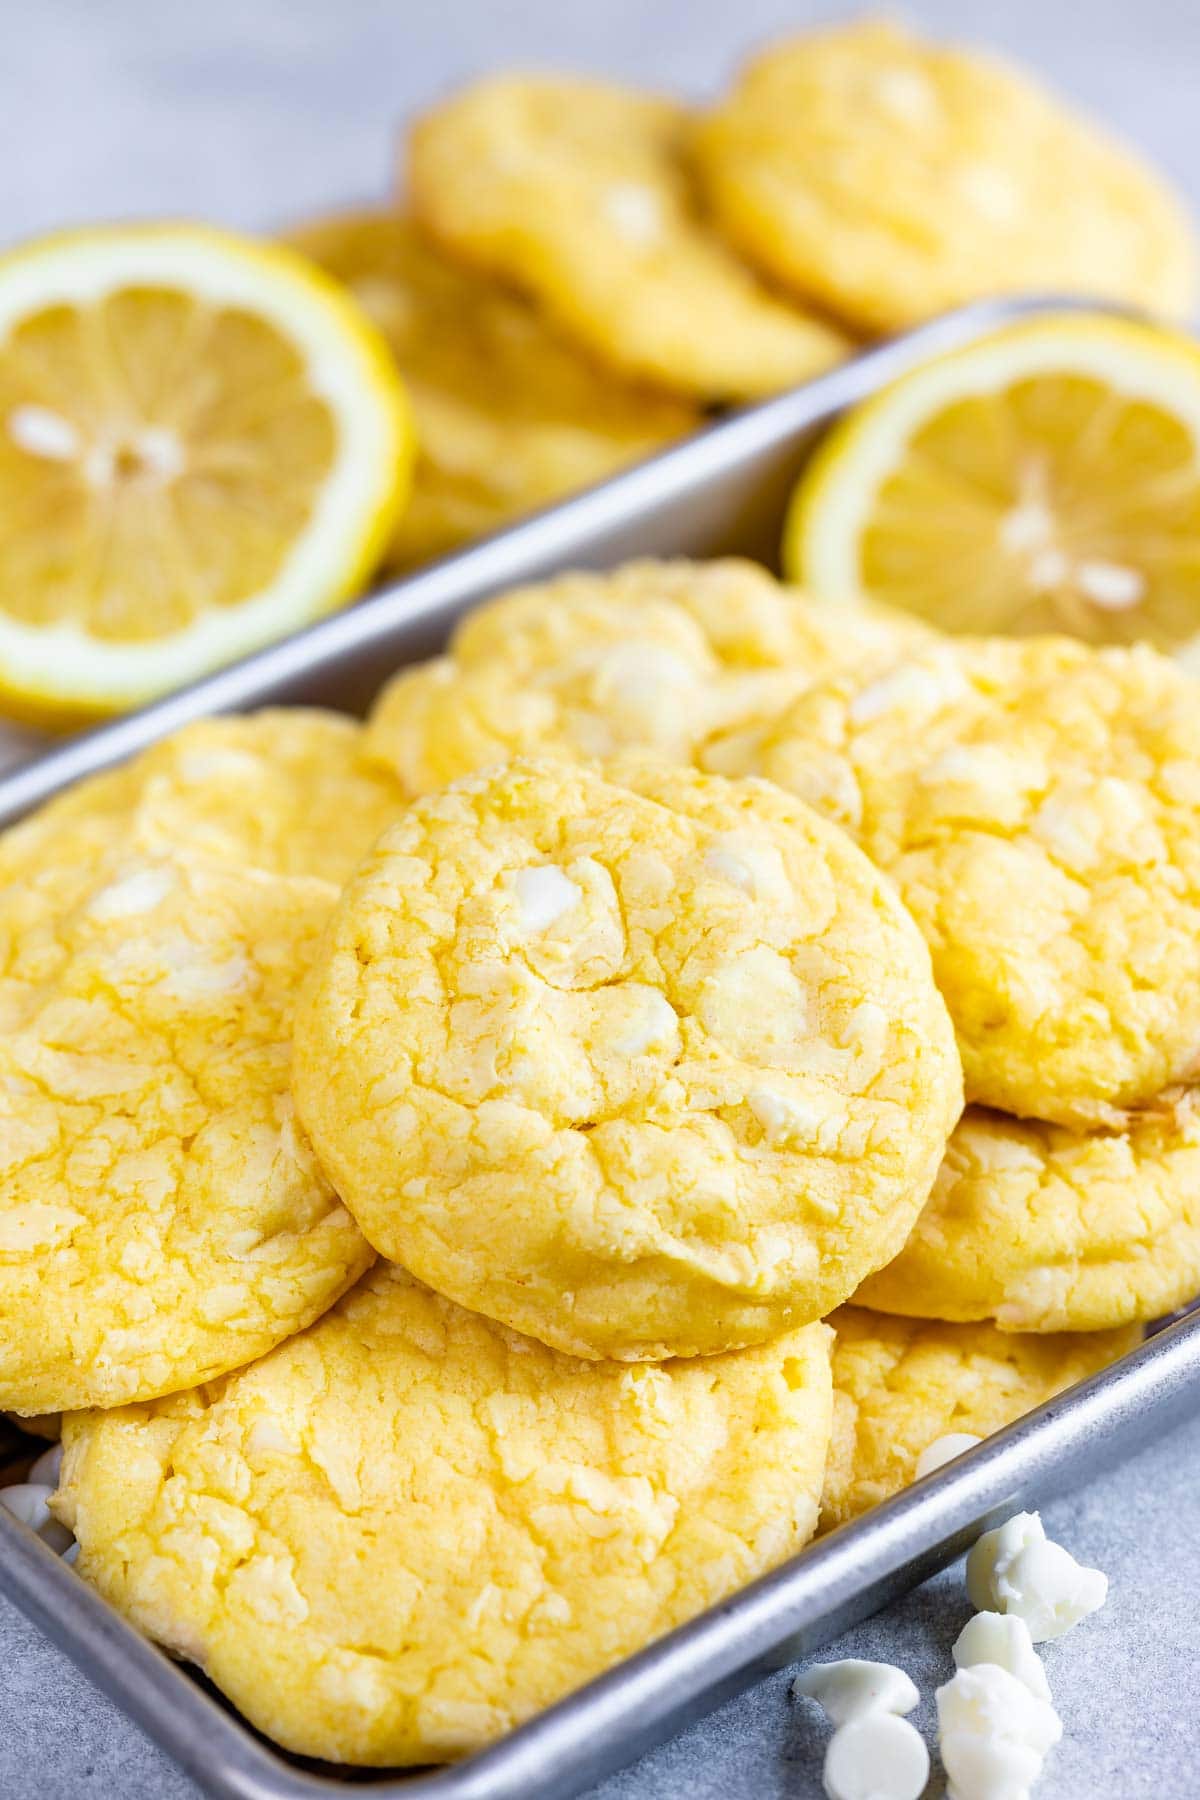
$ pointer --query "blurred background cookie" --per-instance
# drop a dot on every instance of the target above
(887, 178)
(579, 193)
(509, 414)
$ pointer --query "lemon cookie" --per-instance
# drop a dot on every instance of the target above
(405, 1532)
(888, 178)
(900, 1384)
(1046, 1229)
(652, 656)
(162, 1216)
(509, 415)
(287, 790)
(642, 1066)
(578, 193)
(1038, 804)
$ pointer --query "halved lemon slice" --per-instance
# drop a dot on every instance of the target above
(1046, 479)
(203, 445)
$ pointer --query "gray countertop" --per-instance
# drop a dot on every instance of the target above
(254, 112)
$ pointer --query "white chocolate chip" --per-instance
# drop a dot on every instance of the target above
(1070, 831)
(993, 1552)
(266, 1585)
(215, 763)
(636, 675)
(921, 687)
(48, 1466)
(29, 1501)
(991, 191)
(267, 1437)
(222, 1300)
(190, 974)
(907, 95)
(544, 894)
(36, 1227)
(993, 1734)
(26, 1500)
(655, 1026)
(1045, 1586)
(240, 1244)
(641, 693)
(354, 1681)
(755, 1006)
(635, 212)
(868, 1032)
(943, 1450)
(991, 779)
(138, 892)
(1016, 1569)
(1003, 1639)
(756, 868)
(879, 1757)
(784, 1118)
(851, 1688)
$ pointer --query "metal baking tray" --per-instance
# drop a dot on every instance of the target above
(723, 490)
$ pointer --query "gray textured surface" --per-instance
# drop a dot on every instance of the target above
(256, 111)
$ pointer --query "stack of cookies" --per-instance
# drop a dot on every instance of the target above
(572, 273)
(441, 1155)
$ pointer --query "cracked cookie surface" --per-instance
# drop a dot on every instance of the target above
(286, 790)
(900, 1384)
(643, 1066)
(888, 179)
(1046, 1229)
(407, 1530)
(1037, 803)
(653, 657)
(162, 1215)
(579, 193)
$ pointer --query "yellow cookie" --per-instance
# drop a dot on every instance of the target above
(286, 790)
(162, 1217)
(405, 1532)
(644, 1066)
(1038, 804)
(887, 179)
(900, 1384)
(1044, 1229)
(509, 416)
(652, 657)
(578, 193)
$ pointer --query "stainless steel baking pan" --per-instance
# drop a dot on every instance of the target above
(721, 491)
